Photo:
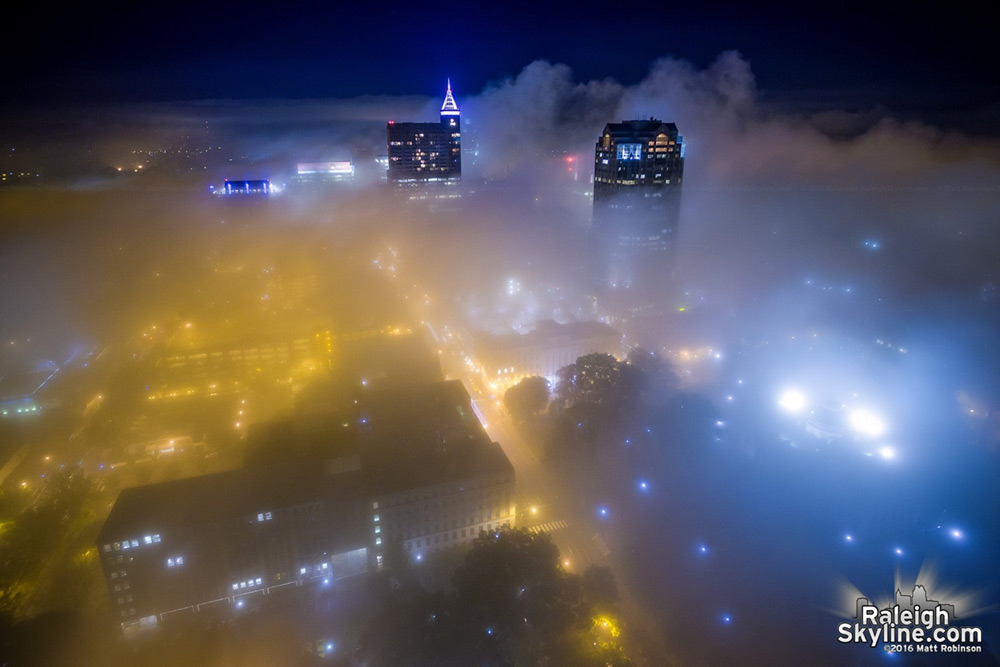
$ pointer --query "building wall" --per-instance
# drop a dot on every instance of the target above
(507, 360)
(638, 171)
(424, 151)
(442, 516)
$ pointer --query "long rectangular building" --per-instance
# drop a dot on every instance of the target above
(314, 503)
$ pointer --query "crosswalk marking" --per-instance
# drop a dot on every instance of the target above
(548, 527)
(601, 545)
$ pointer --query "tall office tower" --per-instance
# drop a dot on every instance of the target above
(638, 169)
(427, 152)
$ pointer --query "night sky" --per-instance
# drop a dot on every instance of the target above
(812, 53)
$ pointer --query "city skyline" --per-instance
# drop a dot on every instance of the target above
(696, 346)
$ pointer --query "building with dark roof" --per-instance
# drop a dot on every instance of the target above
(315, 502)
(638, 171)
(423, 153)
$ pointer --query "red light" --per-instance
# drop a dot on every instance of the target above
(570, 158)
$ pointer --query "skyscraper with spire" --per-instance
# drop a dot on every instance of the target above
(422, 153)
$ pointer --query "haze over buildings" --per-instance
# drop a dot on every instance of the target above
(766, 325)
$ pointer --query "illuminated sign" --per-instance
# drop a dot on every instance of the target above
(325, 168)
(629, 151)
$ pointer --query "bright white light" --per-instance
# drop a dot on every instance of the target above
(867, 423)
(792, 400)
(956, 534)
(887, 453)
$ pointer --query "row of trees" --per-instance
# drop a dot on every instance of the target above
(595, 397)
(511, 604)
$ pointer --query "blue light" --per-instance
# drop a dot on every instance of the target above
(602, 511)
(727, 619)
(898, 551)
(644, 485)
(239, 604)
(703, 549)
(849, 538)
(489, 631)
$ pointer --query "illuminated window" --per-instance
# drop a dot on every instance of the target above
(375, 518)
(378, 540)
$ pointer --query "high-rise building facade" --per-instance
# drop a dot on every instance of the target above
(427, 152)
(638, 171)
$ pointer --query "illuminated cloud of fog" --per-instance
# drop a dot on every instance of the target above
(771, 198)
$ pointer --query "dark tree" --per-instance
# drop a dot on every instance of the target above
(656, 377)
(512, 604)
(527, 398)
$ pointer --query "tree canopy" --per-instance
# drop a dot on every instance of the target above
(511, 604)
(527, 398)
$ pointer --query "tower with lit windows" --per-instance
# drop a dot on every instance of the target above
(427, 152)
(638, 171)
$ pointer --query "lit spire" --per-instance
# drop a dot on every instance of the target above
(449, 108)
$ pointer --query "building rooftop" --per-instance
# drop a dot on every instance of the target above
(638, 128)
(399, 438)
(221, 497)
